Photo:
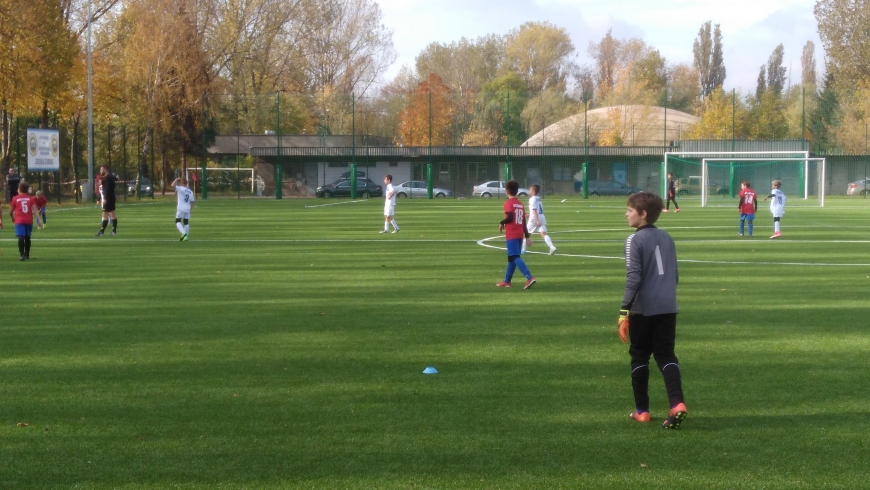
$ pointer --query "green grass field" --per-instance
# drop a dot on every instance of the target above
(282, 347)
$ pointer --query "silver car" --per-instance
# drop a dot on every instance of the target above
(494, 188)
(858, 188)
(417, 188)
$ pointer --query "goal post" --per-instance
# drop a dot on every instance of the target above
(802, 176)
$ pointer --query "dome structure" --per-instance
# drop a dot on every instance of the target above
(623, 125)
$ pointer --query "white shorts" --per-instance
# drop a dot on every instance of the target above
(389, 210)
(182, 215)
(535, 227)
(778, 213)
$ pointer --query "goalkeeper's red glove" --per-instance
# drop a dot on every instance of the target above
(622, 325)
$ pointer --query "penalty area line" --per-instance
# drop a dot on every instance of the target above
(483, 243)
(334, 203)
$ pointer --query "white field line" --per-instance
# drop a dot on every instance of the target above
(690, 261)
(334, 203)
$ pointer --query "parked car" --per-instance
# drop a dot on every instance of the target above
(858, 188)
(691, 185)
(365, 188)
(494, 188)
(610, 188)
(418, 188)
(360, 174)
(145, 187)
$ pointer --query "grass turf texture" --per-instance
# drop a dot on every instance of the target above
(282, 347)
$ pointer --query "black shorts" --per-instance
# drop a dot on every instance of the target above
(109, 205)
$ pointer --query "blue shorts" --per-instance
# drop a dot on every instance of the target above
(23, 230)
(515, 246)
(744, 217)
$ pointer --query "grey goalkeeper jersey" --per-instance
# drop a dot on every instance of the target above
(651, 272)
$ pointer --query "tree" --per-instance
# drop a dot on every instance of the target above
(775, 71)
(825, 118)
(345, 45)
(684, 88)
(761, 84)
(428, 111)
(605, 55)
(465, 64)
(766, 117)
(844, 28)
(498, 114)
(718, 110)
(541, 54)
(707, 50)
(808, 65)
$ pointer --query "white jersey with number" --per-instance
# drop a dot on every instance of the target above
(390, 201)
(185, 197)
(538, 224)
(777, 203)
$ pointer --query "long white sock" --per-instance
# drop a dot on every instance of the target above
(776, 226)
(549, 241)
(395, 225)
(180, 227)
(386, 226)
(186, 229)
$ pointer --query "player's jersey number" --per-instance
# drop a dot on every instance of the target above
(24, 207)
(187, 198)
(749, 198)
(518, 216)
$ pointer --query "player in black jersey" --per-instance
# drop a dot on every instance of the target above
(107, 195)
(672, 194)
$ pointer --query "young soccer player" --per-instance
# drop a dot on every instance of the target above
(514, 227)
(537, 222)
(21, 210)
(182, 211)
(107, 194)
(389, 205)
(672, 194)
(648, 315)
(748, 205)
(777, 206)
(40, 202)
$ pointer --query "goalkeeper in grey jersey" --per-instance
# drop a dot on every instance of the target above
(649, 307)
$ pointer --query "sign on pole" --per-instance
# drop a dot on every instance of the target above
(43, 150)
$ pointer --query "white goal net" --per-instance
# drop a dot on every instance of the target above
(715, 177)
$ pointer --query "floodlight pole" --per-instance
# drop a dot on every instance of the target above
(87, 192)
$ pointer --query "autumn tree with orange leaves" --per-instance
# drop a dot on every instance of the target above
(415, 117)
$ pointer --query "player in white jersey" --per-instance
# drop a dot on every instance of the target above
(389, 205)
(777, 206)
(537, 222)
(182, 212)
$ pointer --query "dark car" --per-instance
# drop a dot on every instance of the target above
(360, 174)
(610, 188)
(365, 188)
(145, 187)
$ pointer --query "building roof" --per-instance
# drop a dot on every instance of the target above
(631, 125)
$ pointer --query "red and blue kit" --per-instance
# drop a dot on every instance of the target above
(22, 207)
(748, 201)
(516, 228)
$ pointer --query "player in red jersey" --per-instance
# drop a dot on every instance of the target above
(747, 205)
(514, 227)
(40, 202)
(21, 211)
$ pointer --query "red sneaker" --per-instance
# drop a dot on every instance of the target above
(664, 210)
(642, 417)
(503, 284)
(677, 210)
(531, 282)
(776, 235)
(676, 417)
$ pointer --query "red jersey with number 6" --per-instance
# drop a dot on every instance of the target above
(22, 205)
(747, 201)
(516, 228)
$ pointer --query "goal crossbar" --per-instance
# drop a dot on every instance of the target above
(806, 161)
(226, 169)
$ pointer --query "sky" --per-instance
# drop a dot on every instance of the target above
(751, 29)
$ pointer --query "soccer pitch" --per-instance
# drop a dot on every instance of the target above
(283, 345)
